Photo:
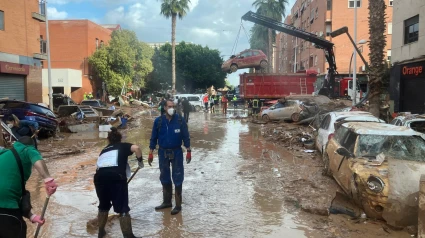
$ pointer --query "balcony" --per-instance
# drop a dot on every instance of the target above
(43, 51)
(40, 15)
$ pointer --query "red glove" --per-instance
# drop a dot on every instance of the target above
(37, 219)
(188, 156)
(150, 159)
(50, 186)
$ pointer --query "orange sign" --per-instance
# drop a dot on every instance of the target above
(11, 68)
(412, 70)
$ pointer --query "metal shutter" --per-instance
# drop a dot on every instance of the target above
(12, 86)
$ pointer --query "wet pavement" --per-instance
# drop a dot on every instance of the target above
(237, 185)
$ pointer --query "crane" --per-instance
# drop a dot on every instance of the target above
(320, 43)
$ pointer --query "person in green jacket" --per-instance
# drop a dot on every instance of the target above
(11, 217)
(85, 96)
(235, 105)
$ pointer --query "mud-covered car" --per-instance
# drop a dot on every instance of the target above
(246, 59)
(415, 121)
(379, 166)
(283, 110)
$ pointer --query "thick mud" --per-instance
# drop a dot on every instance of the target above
(238, 185)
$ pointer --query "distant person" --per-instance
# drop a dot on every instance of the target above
(85, 96)
(90, 96)
(186, 109)
(212, 107)
(224, 104)
(235, 99)
(250, 107)
(206, 102)
(162, 106)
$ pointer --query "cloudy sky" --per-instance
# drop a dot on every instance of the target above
(212, 23)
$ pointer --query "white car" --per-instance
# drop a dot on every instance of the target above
(414, 121)
(327, 126)
(289, 110)
(194, 100)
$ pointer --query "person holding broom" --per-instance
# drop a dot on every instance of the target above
(111, 181)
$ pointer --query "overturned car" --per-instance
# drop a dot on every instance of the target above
(379, 166)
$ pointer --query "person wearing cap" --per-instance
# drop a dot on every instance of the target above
(12, 224)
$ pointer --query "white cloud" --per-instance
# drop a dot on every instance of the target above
(133, 16)
(193, 4)
(54, 14)
(58, 2)
(204, 32)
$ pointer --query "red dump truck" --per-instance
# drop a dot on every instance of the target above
(276, 86)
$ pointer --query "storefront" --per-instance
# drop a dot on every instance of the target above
(12, 80)
(407, 87)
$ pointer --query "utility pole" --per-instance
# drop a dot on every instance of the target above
(49, 65)
(355, 55)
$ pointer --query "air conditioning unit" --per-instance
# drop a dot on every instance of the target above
(363, 68)
(321, 34)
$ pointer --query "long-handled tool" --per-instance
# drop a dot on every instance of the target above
(135, 172)
(46, 202)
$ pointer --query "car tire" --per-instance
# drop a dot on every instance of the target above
(197, 108)
(233, 68)
(326, 169)
(295, 117)
(264, 64)
(266, 118)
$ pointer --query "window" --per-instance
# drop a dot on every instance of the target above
(317, 13)
(351, 3)
(411, 30)
(43, 45)
(97, 43)
(329, 5)
(101, 43)
(1, 20)
(328, 29)
(315, 60)
(325, 123)
(311, 60)
(255, 53)
(390, 28)
(390, 3)
(388, 55)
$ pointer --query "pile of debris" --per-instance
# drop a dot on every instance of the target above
(291, 138)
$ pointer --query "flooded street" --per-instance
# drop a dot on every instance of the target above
(237, 185)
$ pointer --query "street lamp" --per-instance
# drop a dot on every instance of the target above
(49, 66)
(361, 42)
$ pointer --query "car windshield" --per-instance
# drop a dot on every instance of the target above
(400, 147)
(418, 126)
(90, 103)
(42, 111)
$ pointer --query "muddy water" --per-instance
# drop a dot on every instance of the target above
(238, 185)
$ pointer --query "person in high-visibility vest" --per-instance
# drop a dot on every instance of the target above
(235, 105)
(256, 107)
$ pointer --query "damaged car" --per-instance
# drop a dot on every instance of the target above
(379, 166)
(415, 121)
(283, 110)
(246, 59)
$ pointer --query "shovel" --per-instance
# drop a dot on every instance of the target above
(95, 222)
(46, 202)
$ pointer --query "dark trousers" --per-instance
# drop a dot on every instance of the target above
(12, 225)
(206, 106)
(186, 116)
(112, 193)
(177, 174)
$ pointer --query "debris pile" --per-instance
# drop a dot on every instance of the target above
(290, 137)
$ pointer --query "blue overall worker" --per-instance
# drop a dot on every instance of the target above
(169, 131)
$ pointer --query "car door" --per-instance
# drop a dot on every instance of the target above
(244, 59)
(255, 59)
(322, 134)
(278, 111)
(289, 109)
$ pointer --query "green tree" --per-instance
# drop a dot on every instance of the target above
(174, 8)
(124, 60)
(274, 9)
(377, 45)
(259, 38)
(197, 68)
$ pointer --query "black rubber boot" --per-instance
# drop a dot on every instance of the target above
(178, 198)
(167, 194)
(125, 223)
(102, 218)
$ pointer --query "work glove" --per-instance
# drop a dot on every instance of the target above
(37, 219)
(140, 163)
(188, 156)
(50, 186)
(150, 159)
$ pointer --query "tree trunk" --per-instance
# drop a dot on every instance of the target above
(173, 51)
(377, 45)
(270, 50)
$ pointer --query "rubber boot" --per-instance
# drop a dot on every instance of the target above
(125, 223)
(178, 198)
(167, 194)
(102, 218)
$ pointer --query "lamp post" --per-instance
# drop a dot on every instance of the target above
(355, 55)
(361, 42)
(49, 65)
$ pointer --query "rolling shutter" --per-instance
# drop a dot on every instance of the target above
(12, 86)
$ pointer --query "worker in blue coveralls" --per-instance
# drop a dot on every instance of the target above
(169, 131)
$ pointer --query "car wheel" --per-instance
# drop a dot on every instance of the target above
(264, 64)
(295, 117)
(233, 68)
(266, 118)
(197, 108)
(326, 170)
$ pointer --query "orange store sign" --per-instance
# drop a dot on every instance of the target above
(412, 70)
(11, 68)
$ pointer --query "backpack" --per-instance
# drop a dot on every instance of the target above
(158, 126)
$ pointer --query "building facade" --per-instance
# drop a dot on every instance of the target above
(407, 82)
(321, 17)
(21, 50)
(72, 42)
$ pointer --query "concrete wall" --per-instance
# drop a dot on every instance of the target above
(405, 9)
(66, 78)
(72, 42)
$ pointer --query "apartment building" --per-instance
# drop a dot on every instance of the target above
(21, 50)
(321, 17)
(72, 42)
(407, 82)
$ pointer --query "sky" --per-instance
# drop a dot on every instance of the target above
(212, 23)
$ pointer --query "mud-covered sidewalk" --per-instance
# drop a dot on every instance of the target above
(242, 182)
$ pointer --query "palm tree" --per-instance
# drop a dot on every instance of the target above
(274, 9)
(174, 8)
(377, 45)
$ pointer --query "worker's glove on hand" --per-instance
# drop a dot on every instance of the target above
(140, 163)
(150, 159)
(188, 156)
(50, 186)
(37, 219)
